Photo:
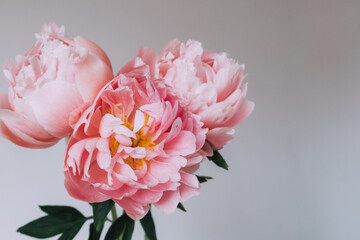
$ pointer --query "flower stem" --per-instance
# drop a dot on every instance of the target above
(113, 213)
(146, 237)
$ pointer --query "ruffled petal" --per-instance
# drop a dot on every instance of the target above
(169, 201)
(133, 209)
(82, 190)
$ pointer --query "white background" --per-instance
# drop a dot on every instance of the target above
(294, 164)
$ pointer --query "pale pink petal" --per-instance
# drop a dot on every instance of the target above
(183, 144)
(110, 125)
(139, 121)
(160, 173)
(241, 114)
(20, 131)
(218, 137)
(137, 152)
(150, 58)
(146, 196)
(90, 76)
(93, 48)
(189, 179)
(187, 192)
(74, 155)
(120, 101)
(228, 76)
(134, 63)
(218, 113)
(168, 186)
(104, 160)
(55, 119)
(190, 186)
(192, 50)
(124, 173)
(118, 193)
(172, 47)
(194, 159)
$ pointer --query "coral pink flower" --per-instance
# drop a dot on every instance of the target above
(135, 147)
(48, 87)
(207, 84)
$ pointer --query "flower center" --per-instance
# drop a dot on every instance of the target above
(113, 145)
(141, 140)
(136, 163)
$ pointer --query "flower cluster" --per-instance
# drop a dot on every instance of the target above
(136, 138)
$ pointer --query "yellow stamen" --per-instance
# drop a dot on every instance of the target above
(113, 145)
(135, 163)
(140, 141)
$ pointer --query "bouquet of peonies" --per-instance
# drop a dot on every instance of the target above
(135, 139)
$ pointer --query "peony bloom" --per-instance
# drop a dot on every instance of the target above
(49, 86)
(207, 84)
(134, 146)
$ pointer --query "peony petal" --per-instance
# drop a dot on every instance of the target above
(4, 101)
(54, 117)
(119, 193)
(82, 190)
(183, 144)
(146, 196)
(190, 186)
(241, 114)
(172, 47)
(22, 132)
(169, 201)
(110, 125)
(189, 179)
(82, 42)
(124, 173)
(91, 76)
(139, 120)
(150, 58)
(120, 102)
(133, 209)
(218, 137)
(187, 192)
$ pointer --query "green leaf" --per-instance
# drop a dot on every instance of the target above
(100, 211)
(60, 219)
(181, 207)
(203, 179)
(219, 160)
(129, 229)
(71, 233)
(63, 212)
(148, 225)
(117, 228)
(93, 234)
(45, 227)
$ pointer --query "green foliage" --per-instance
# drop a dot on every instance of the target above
(100, 211)
(60, 220)
(219, 160)
(181, 207)
(123, 225)
(203, 179)
(148, 225)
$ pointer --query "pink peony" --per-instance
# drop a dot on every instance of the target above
(135, 146)
(49, 86)
(207, 84)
